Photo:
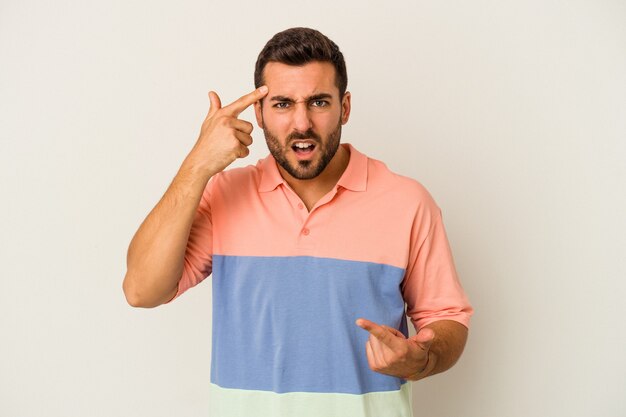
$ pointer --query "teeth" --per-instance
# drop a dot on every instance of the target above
(302, 145)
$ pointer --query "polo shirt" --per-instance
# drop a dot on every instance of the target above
(288, 285)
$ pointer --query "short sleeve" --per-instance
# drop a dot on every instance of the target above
(431, 288)
(198, 255)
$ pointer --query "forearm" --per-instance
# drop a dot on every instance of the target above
(447, 346)
(156, 253)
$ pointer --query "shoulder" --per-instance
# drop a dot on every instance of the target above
(243, 181)
(405, 191)
(241, 178)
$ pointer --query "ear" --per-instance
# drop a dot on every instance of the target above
(258, 112)
(345, 107)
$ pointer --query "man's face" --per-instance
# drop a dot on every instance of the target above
(301, 116)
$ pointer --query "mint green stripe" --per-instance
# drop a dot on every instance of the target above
(228, 402)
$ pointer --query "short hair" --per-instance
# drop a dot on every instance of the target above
(299, 46)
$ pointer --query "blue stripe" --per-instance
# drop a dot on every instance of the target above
(286, 324)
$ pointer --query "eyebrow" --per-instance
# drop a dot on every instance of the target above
(310, 98)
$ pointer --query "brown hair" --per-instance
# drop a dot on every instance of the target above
(299, 46)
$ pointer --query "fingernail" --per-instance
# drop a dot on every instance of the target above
(263, 89)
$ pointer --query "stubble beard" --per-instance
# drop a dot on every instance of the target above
(304, 170)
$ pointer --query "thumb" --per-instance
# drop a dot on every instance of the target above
(424, 338)
(215, 103)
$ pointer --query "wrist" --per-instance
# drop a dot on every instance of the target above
(197, 168)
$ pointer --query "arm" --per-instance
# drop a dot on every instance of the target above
(156, 253)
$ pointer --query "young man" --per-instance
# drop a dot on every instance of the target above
(306, 248)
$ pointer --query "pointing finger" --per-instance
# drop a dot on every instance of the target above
(379, 332)
(393, 331)
(236, 107)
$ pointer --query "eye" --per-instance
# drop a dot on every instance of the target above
(281, 105)
(320, 103)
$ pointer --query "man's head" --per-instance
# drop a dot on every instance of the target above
(307, 102)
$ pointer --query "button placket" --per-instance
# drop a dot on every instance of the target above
(305, 229)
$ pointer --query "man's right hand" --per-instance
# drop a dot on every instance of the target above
(223, 137)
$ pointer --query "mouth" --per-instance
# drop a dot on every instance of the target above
(303, 149)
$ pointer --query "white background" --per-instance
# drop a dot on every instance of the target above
(513, 115)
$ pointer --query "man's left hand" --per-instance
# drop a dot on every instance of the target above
(389, 352)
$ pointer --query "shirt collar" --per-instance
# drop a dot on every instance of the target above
(354, 178)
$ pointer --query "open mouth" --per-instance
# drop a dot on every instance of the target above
(303, 148)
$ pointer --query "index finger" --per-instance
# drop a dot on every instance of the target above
(244, 102)
(379, 332)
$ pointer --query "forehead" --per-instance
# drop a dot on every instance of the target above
(300, 81)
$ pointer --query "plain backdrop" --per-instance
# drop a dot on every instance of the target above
(512, 114)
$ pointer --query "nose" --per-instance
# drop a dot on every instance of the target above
(301, 118)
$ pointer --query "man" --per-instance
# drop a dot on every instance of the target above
(311, 242)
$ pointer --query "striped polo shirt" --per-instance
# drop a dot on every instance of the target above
(288, 285)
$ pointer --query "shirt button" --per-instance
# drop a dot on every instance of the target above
(300, 206)
(306, 232)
